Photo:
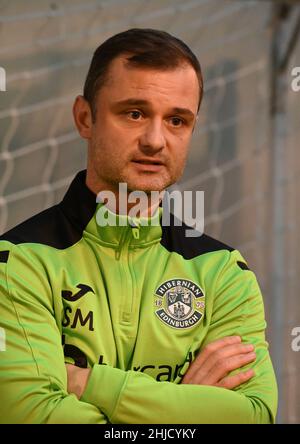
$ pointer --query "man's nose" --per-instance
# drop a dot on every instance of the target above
(153, 138)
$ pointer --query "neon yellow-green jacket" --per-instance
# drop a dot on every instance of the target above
(133, 303)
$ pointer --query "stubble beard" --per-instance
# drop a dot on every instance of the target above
(112, 176)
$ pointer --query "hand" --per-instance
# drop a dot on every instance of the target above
(217, 359)
(77, 379)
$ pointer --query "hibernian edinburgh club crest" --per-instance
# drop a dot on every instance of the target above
(179, 303)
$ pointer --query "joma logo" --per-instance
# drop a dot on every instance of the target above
(77, 316)
(84, 289)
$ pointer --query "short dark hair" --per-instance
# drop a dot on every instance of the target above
(146, 48)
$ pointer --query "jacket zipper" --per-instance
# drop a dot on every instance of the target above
(128, 285)
(135, 231)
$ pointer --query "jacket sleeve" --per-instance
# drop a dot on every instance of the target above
(132, 397)
(33, 379)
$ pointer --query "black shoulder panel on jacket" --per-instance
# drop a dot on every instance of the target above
(174, 239)
(59, 226)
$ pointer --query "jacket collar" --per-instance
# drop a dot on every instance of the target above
(81, 208)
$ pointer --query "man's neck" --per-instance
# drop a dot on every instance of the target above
(124, 201)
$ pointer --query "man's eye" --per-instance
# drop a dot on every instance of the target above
(176, 121)
(135, 115)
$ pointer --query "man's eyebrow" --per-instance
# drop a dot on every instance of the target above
(132, 102)
(185, 111)
(142, 102)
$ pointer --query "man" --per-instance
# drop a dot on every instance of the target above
(155, 326)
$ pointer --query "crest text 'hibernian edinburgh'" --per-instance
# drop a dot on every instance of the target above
(179, 303)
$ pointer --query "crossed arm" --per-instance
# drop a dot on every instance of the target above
(36, 388)
(204, 396)
(211, 367)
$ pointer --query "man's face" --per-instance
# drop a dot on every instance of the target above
(143, 126)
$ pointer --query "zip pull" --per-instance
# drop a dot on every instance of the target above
(135, 232)
(135, 228)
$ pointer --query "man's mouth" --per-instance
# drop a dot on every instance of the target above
(148, 161)
(150, 165)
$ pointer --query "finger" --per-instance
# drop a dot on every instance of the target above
(210, 349)
(223, 367)
(226, 360)
(210, 375)
(230, 382)
(204, 365)
(70, 368)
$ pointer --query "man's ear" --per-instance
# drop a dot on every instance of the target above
(82, 114)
